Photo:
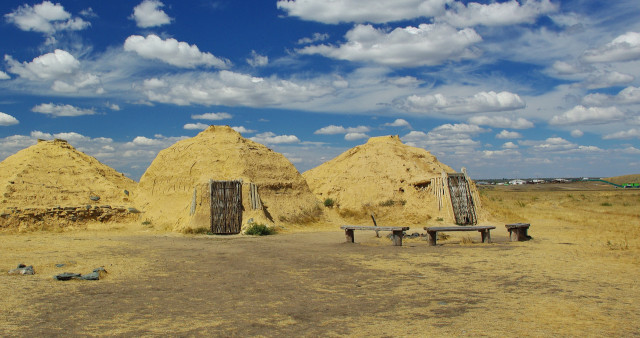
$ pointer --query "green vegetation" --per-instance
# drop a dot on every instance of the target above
(256, 229)
(387, 203)
(329, 202)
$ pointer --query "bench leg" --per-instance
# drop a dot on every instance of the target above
(523, 235)
(486, 236)
(396, 236)
(513, 235)
(432, 237)
(349, 234)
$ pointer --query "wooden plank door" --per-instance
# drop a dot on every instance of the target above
(226, 206)
(463, 206)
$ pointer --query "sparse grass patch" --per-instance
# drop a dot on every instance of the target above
(387, 203)
(606, 204)
(466, 240)
(329, 202)
(623, 245)
(521, 204)
(196, 231)
(146, 222)
(440, 219)
(257, 229)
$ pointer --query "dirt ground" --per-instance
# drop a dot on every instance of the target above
(578, 276)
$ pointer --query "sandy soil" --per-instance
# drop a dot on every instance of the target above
(573, 279)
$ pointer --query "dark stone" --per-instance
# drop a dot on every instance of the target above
(95, 275)
(22, 270)
(133, 210)
(60, 265)
(67, 276)
(94, 198)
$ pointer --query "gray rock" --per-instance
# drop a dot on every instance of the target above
(67, 276)
(22, 270)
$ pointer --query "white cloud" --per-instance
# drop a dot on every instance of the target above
(212, 116)
(195, 126)
(376, 11)
(629, 95)
(577, 133)
(243, 130)
(45, 18)
(631, 133)
(564, 68)
(478, 103)
(398, 123)
(45, 67)
(271, 138)
(173, 52)
(355, 136)
(257, 60)
(427, 44)
(333, 130)
(4, 76)
(315, 38)
(607, 79)
(508, 152)
(440, 140)
(497, 13)
(583, 115)
(510, 145)
(61, 110)
(501, 122)
(7, 120)
(459, 128)
(145, 141)
(113, 106)
(149, 14)
(625, 47)
(233, 89)
(505, 134)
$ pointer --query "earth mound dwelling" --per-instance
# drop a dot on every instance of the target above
(399, 184)
(219, 180)
(53, 184)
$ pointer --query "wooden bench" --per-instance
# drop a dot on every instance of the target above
(483, 229)
(396, 232)
(518, 232)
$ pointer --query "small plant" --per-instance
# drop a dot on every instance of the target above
(329, 202)
(606, 204)
(440, 219)
(442, 236)
(146, 222)
(618, 246)
(387, 203)
(256, 229)
(521, 204)
(403, 202)
(466, 240)
(197, 231)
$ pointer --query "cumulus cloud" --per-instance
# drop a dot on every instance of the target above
(149, 14)
(333, 130)
(271, 138)
(505, 134)
(47, 18)
(243, 130)
(625, 47)
(398, 123)
(232, 89)
(7, 120)
(478, 103)
(627, 134)
(173, 52)
(577, 133)
(316, 37)
(355, 136)
(629, 95)
(584, 115)
(607, 79)
(61, 110)
(4, 76)
(425, 45)
(439, 140)
(375, 11)
(195, 126)
(510, 145)
(257, 60)
(212, 116)
(49, 66)
(497, 13)
(501, 122)
(144, 141)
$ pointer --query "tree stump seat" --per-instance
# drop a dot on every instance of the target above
(518, 232)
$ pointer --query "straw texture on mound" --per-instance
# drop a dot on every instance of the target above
(384, 177)
(166, 189)
(54, 173)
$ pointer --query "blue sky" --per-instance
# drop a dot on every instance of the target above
(538, 88)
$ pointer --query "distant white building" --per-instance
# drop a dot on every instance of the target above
(517, 182)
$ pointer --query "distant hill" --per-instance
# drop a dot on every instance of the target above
(624, 179)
